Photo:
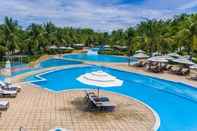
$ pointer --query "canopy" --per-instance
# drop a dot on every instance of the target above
(161, 59)
(53, 47)
(175, 55)
(167, 57)
(183, 61)
(100, 79)
(140, 51)
(140, 56)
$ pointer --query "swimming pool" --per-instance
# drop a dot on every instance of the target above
(175, 103)
(2, 78)
(98, 58)
(57, 62)
(20, 68)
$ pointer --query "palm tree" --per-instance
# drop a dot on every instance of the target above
(35, 38)
(130, 34)
(10, 36)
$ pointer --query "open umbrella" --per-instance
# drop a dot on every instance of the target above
(100, 79)
(139, 51)
(140, 56)
(160, 59)
(183, 61)
(175, 55)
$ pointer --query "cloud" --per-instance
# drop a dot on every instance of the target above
(189, 5)
(100, 15)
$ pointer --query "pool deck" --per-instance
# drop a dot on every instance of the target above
(37, 109)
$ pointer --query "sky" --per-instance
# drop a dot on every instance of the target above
(101, 15)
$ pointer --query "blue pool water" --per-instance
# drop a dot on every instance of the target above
(57, 62)
(18, 68)
(2, 78)
(98, 58)
(175, 103)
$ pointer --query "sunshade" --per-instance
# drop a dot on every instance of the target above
(175, 55)
(183, 61)
(140, 56)
(139, 51)
(158, 59)
(100, 79)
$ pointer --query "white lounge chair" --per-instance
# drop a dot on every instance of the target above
(10, 93)
(4, 105)
(9, 86)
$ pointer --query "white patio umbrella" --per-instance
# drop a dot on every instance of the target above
(69, 48)
(140, 56)
(175, 55)
(160, 59)
(140, 51)
(100, 79)
(183, 61)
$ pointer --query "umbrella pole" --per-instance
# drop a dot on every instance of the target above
(98, 92)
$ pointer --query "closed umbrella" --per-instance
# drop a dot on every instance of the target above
(100, 79)
(7, 71)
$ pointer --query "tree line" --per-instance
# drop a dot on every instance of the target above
(178, 34)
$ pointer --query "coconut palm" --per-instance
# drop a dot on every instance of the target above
(10, 37)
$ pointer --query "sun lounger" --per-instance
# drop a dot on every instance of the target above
(5, 93)
(185, 71)
(156, 69)
(9, 86)
(175, 70)
(140, 64)
(192, 77)
(102, 103)
(4, 105)
(166, 67)
(179, 71)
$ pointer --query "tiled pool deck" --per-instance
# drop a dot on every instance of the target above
(40, 110)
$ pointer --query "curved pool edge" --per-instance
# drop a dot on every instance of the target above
(155, 114)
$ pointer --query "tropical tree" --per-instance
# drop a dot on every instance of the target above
(10, 37)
